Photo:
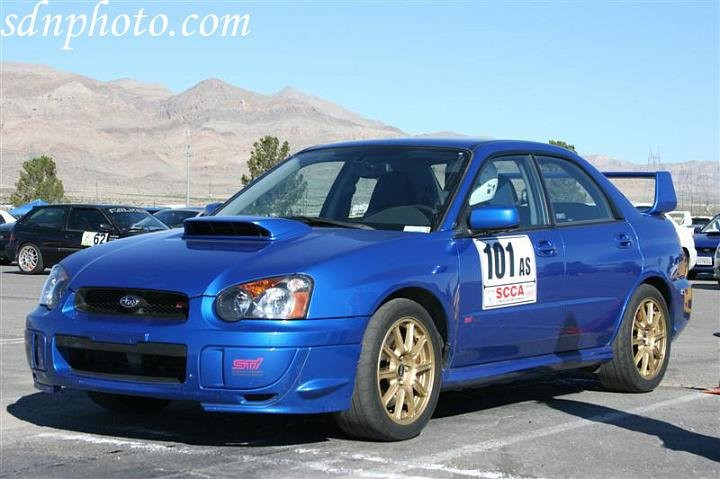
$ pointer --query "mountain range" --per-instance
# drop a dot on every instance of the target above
(124, 140)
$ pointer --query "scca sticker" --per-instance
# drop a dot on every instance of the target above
(507, 266)
(92, 238)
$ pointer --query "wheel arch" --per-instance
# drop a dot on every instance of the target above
(432, 304)
(661, 285)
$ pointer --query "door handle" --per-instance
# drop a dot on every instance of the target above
(623, 241)
(546, 248)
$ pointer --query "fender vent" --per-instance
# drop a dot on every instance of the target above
(225, 228)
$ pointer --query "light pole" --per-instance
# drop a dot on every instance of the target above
(188, 155)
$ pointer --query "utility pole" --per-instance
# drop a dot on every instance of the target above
(188, 157)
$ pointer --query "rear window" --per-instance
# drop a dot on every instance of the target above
(46, 218)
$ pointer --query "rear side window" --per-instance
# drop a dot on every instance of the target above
(86, 219)
(46, 218)
(573, 194)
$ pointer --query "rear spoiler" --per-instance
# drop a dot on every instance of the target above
(665, 197)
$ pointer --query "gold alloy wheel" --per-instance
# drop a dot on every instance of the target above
(649, 338)
(406, 370)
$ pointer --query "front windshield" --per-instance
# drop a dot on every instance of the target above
(713, 226)
(394, 188)
(135, 219)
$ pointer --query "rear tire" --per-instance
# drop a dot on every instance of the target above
(400, 364)
(641, 349)
(131, 404)
(30, 259)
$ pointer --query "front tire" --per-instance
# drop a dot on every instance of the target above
(127, 404)
(398, 376)
(30, 259)
(641, 348)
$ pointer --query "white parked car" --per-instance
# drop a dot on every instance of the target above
(6, 217)
(681, 217)
(684, 233)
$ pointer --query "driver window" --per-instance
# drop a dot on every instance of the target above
(510, 181)
(86, 219)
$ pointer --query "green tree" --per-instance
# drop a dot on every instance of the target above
(285, 198)
(38, 180)
(564, 189)
(562, 144)
(266, 153)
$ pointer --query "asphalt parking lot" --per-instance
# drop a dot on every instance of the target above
(564, 426)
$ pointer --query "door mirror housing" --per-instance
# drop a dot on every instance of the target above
(105, 228)
(493, 218)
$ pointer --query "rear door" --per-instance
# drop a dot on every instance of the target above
(44, 227)
(601, 253)
(86, 226)
(511, 284)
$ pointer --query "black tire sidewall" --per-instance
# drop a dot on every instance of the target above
(366, 378)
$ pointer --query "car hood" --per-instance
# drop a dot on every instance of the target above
(202, 264)
(706, 240)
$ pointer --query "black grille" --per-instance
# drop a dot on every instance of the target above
(150, 303)
(152, 362)
(201, 227)
(706, 250)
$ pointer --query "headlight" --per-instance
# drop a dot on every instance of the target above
(285, 297)
(54, 287)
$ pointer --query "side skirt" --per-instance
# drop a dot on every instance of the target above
(502, 371)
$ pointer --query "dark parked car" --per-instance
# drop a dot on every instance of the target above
(706, 241)
(154, 209)
(6, 230)
(47, 234)
(174, 218)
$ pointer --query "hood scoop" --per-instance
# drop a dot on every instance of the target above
(244, 227)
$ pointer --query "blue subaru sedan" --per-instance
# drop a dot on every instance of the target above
(364, 278)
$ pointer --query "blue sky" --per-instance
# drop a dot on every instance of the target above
(610, 77)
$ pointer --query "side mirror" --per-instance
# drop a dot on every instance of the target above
(493, 218)
(210, 208)
(104, 227)
(697, 229)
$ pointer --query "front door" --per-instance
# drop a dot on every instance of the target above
(511, 294)
(86, 226)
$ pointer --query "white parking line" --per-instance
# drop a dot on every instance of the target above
(12, 341)
(559, 428)
(147, 446)
(404, 465)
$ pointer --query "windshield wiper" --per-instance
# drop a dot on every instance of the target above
(320, 221)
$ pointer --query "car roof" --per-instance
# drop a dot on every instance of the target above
(89, 205)
(466, 143)
(194, 209)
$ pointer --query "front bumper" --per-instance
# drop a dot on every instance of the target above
(299, 367)
(704, 268)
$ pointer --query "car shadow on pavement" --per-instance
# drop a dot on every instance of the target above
(453, 403)
(673, 437)
(182, 422)
(185, 422)
(19, 273)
